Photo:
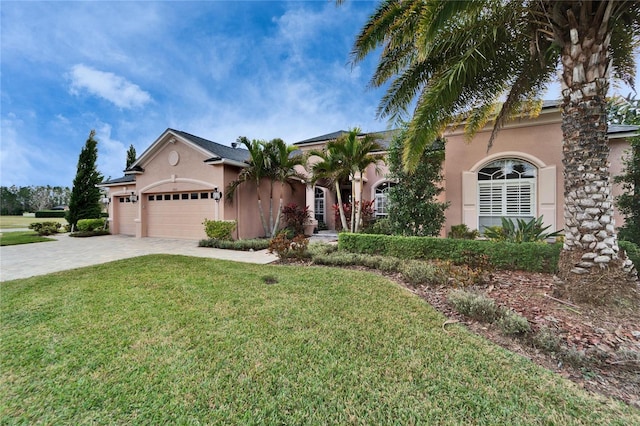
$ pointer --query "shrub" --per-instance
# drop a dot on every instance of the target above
(389, 264)
(380, 226)
(94, 233)
(241, 245)
(520, 231)
(463, 275)
(463, 232)
(338, 258)
(320, 248)
(46, 228)
(417, 272)
(511, 323)
(50, 213)
(286, 248)
(295, 217)
(474, 305)
(533, 257)
(90, 225)
(546, 340)
(219, 229)
(632, 250)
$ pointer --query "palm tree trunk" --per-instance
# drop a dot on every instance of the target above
(359, 212)
(353, 206)
(278, 214)
(590, 261)
(262, 218)
(270, 234)
(343, 218)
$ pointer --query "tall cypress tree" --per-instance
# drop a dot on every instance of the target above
(85, 195)
(131, 156)
(414, 209)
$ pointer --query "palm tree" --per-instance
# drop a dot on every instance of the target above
(273, 161)
(453, 58)
(358, 150)
(280, 160)
(254, 173)
(330, 168)
(347, 157)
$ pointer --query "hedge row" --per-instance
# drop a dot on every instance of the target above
(535, 257)
(50, 213)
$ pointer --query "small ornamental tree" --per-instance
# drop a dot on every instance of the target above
(413, 209)
(627, 111)
(85, 195)
(131, 156)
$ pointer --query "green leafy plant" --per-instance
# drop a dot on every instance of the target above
(500, 255)
(474, 305)
(520, 231)
(46, 228)
(418, 272)
(219, 229)
(511, 323)
(240, 245)
(632, 250)
(90, 225)
(379, 226)
(463, 232)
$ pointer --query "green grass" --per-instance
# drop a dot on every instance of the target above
(176, 340)
(20, 237)
(7, 222)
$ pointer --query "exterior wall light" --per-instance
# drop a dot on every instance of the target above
(217, 195)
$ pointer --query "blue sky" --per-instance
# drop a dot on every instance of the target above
(129, 70)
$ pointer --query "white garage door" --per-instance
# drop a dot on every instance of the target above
(178, 214)
(126, 214)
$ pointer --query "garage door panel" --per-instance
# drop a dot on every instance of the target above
(176, 216)
(126, 213)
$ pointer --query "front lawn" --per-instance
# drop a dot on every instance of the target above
(21, 237)
(7, 222)
(177, 340)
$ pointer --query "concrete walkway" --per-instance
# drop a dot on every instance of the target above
(28, 260)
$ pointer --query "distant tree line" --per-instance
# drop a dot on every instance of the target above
(15, 200)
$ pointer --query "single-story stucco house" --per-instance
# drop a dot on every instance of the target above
(175, 184)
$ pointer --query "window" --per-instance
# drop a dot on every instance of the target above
(194, 195)
(151, 197)
(167, 197)
(506, 188)
(204, 195)
(381, 205)
(318, 205)
(184, 196)
(121, 199)
(175, 196)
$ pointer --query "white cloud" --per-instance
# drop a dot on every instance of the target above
(107, 85)
(112, 153)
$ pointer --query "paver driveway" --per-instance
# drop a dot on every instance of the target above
(27, 260)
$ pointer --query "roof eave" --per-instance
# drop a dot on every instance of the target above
(225, 161)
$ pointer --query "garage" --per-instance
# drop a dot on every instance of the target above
(125, 212)
(178, 214)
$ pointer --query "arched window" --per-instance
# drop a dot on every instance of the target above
(318, 205)
(506, 188)
(381, 205)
